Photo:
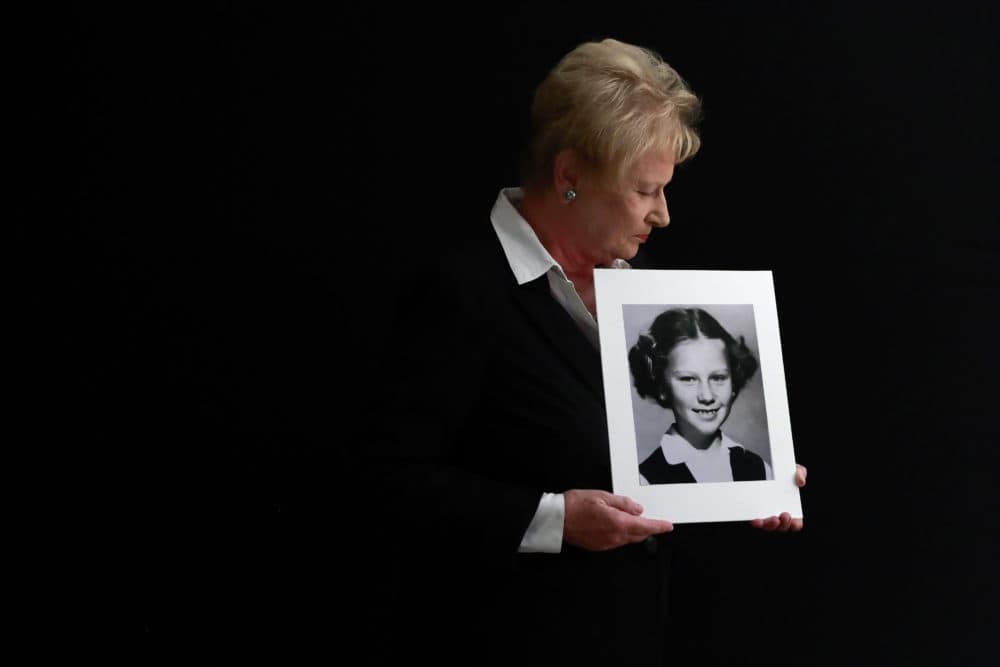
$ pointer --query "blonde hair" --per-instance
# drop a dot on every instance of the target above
(611, 102)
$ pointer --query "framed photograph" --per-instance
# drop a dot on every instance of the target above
(695, 390)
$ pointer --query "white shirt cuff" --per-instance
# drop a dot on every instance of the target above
(545, 532)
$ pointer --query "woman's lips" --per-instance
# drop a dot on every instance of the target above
(642, 237)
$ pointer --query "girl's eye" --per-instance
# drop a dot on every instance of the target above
(719, 378)
(686, 379)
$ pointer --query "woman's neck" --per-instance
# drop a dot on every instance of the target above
(547, 218)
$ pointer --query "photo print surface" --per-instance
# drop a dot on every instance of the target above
(694, 387)
(697, 399)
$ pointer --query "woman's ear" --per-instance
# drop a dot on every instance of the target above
(566, 171)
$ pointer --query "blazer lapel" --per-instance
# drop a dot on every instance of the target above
(558, 328)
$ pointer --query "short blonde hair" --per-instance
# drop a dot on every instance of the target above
(611, 102)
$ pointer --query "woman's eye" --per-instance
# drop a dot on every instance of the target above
(719, 378)
(687, 379)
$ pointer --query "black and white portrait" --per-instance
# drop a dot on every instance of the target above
(694, 387)
(697, 399)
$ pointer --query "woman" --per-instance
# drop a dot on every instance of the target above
(494, 457)
(690, 364)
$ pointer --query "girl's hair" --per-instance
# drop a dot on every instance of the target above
(648, 358)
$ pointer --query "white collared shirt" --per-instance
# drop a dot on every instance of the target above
(529, 260)
(706, 465)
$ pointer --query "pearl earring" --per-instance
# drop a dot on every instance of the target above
(570, 194)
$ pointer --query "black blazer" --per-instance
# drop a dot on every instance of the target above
(496, 397)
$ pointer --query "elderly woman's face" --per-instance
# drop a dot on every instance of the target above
(701, 385)
(617, 220)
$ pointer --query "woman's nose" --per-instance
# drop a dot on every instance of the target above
(661, 216)
(705, 394)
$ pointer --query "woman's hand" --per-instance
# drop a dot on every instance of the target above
(784, 523)
(598, 520)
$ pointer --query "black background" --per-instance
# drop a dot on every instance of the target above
(250, 185)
